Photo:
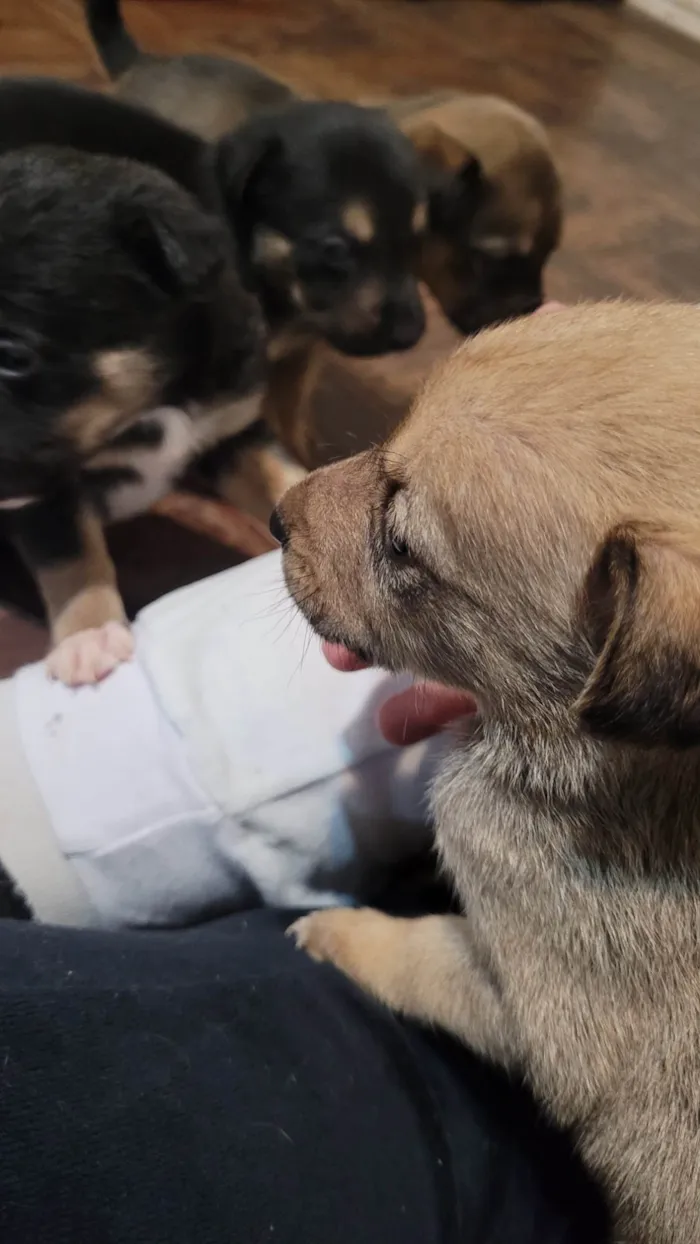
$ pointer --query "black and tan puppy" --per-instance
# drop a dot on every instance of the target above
(495, 205)
(329, 203)
(118, 296)
(495, 202)
(325, 213)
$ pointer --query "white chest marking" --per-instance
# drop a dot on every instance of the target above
(17, 503)
(159, 466)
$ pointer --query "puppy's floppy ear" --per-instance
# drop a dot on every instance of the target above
(641, 606)
(455, 175)
(245, 160)
(175, 245)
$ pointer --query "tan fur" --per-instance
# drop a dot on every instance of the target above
(271, 248)
(298, 295)
(523, 208)
(128, 387)
(420, 218)
(81, 594)
(547, 485)
(357, 219)
(286, 405)
(363, 310)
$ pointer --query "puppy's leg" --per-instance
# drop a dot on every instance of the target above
(286, 401)
(428, 969)
(257, 473)
(63, 544)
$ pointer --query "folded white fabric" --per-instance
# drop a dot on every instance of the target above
(228, 763)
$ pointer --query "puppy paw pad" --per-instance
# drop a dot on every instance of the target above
(90, 655)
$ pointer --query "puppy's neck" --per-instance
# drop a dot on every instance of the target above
(284, 318)
(569, 796)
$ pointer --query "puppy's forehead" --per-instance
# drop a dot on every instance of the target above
(570, 368)
(596, 404)
(369, 162)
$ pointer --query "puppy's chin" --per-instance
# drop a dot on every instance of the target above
(475, 318)
(371, 346)
(345, 659)
(341, 651)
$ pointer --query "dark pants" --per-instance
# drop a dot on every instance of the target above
(217, 1086)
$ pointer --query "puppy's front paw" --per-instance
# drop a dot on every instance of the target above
(91, 655)
(340, 935)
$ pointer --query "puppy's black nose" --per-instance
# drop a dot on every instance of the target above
(278, 529)
(407, 325)
(527, 306)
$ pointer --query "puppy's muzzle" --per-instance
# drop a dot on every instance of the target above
(473, 317)
(401, 326)
(406, 324)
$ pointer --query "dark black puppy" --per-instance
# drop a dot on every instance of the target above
(118, 295)
(325, 200)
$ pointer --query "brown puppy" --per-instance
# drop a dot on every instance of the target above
(532, 534)
(495, 209)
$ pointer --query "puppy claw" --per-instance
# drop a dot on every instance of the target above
(328, 936)
(91, 655)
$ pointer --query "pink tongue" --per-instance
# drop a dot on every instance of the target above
(420, 711)
(413, 714)
(342, 658)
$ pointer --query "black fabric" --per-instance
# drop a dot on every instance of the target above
(217, 1087)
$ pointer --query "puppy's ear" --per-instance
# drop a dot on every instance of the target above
(245, 163)
(455, 175)
(178, 248)
(641, 606)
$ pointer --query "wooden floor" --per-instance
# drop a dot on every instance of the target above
(620, 96)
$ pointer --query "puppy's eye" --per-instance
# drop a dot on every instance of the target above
(335, 259)
(326, 261)
(335, 251)
(17, 359)
(399, 548)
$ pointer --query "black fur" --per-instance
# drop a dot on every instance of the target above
(100, 255)
(291, 170)
(46, 112)
(290, 166)
(210, 467)
(115, 45)
(13, 905)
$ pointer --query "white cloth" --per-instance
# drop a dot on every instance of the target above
(227, 762)
(29, 850)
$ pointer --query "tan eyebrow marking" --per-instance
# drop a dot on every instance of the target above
(357, 219)
(420, 218)
(271, 247)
